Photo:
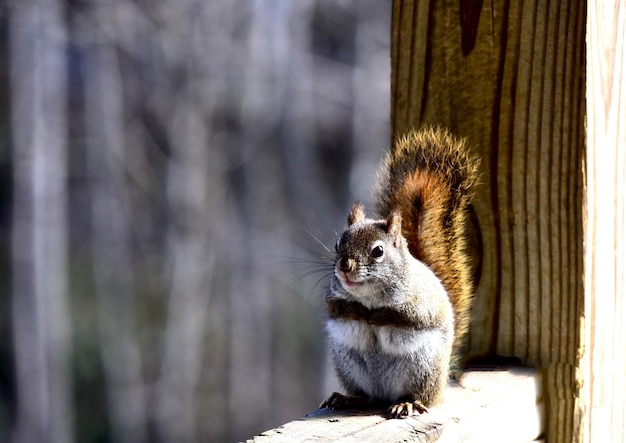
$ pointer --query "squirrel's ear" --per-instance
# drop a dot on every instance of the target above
(394, 223)
(357, 214)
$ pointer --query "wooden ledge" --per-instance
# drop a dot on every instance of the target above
(487, 406)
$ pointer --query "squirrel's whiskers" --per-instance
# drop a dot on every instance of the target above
(319, 263)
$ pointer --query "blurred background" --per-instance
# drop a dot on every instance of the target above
(170, 174)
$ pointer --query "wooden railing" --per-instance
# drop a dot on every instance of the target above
(488, 406)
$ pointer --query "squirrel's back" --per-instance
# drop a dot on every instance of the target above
(430, 176)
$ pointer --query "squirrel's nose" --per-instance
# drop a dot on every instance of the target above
(344, 264)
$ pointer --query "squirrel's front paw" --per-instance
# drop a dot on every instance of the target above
(406, 409)
(340, 401)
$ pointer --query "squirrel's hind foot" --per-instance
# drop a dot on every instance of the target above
(406, 409)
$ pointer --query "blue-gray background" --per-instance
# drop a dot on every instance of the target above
(168, 170)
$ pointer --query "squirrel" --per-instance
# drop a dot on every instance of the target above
(399, 299)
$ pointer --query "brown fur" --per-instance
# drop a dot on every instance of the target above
(430, 176)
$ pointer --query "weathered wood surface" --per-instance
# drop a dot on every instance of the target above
(491, 406)
(604, 359)
(510, 77)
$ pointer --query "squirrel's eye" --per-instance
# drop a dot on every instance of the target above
(337, 244)
(377, 251)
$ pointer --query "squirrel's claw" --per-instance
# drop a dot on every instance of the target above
(406, 409)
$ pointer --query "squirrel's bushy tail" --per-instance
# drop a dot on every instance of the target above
(430, 176)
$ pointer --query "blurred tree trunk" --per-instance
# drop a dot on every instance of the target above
(251, 327)
(111, 250)
(41, 323)
(193, 171)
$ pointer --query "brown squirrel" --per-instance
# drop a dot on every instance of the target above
(399, 299)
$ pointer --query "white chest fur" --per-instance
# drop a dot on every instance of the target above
(364, 338)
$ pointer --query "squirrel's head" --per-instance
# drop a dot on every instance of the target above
(370, 253)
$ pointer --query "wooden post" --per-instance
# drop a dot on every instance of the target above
(510, 77)
(604, 359)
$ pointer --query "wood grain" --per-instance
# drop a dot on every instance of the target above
(602, 375)
(518, 97)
